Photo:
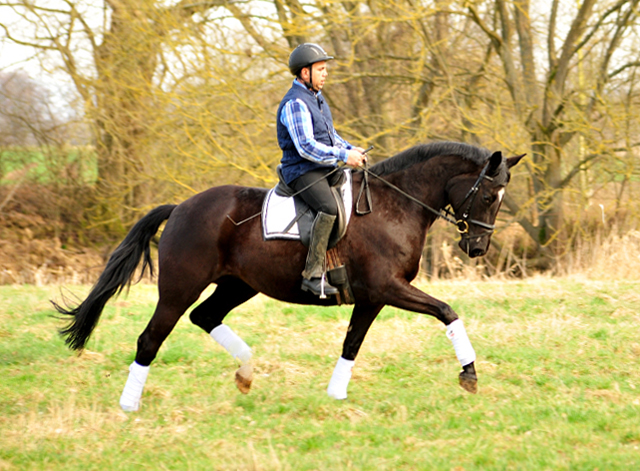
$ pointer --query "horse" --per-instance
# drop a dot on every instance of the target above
(202, 245)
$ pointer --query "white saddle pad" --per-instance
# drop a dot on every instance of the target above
(279, 211)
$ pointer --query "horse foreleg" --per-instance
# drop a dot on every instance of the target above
(209, 315)
(405, 296)
(361, 319)
(465, 353)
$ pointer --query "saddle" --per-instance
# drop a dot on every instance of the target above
(285, 216)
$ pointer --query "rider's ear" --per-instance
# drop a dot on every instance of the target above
(494, 164)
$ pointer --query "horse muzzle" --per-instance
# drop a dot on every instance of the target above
(474, 246)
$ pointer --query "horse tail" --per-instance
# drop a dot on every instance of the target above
(116, 276)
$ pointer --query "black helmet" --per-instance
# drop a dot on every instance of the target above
(304, 55)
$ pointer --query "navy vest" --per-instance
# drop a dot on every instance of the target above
(292, 163)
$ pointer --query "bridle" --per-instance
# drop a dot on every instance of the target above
(461, 224)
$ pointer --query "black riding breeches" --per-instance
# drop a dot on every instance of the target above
(318, 195)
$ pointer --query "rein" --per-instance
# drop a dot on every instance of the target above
(461, 224)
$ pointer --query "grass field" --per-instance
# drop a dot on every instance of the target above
(559, 389)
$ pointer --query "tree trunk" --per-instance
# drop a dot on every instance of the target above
(125, 62)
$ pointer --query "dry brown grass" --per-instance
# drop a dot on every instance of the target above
(600, 256)
(612, 257)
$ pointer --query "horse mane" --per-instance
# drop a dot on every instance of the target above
(423, 152)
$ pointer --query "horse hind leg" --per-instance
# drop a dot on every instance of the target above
(229, 294)
(171, 306)
(159, 327)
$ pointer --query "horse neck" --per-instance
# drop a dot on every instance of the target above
(427, 181)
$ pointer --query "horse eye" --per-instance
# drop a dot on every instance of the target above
(489, 199)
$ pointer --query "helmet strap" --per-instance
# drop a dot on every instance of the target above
(309, 84)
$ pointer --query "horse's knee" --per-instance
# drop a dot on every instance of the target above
(446, 315)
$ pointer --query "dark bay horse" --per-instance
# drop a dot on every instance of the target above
(381, 251)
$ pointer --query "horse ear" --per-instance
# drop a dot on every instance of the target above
(512, 161)
(494, 164)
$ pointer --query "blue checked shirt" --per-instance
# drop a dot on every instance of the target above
(297, 119)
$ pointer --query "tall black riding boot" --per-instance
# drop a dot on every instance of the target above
(312, 276)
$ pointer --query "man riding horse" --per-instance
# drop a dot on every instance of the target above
(311, 148)
(201, 243)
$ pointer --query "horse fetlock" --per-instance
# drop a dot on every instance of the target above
(461, 343)
(232, 343)
(340, 379)
(132, 392)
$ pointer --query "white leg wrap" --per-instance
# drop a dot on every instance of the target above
(231, 343)
(461, 343)
(130, 399)
(340, 380)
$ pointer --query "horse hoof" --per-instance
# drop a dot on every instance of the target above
(244, 377)
(469, 382)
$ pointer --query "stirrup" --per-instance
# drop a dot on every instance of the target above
(319, 287)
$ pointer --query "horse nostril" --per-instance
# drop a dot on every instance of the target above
(476, 253)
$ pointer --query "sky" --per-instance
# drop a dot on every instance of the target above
(14, 57)
(17, 57)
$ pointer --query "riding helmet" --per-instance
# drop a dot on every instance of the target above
(306, 54)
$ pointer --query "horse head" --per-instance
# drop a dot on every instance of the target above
(476, 199)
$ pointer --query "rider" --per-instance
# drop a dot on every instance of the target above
(311, 148)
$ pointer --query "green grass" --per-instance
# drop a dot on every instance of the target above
(558, 386)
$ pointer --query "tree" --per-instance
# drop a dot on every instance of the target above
(183, 95)
(115, 62)
(564, 100)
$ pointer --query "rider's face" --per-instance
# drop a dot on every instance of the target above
(318, 76)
